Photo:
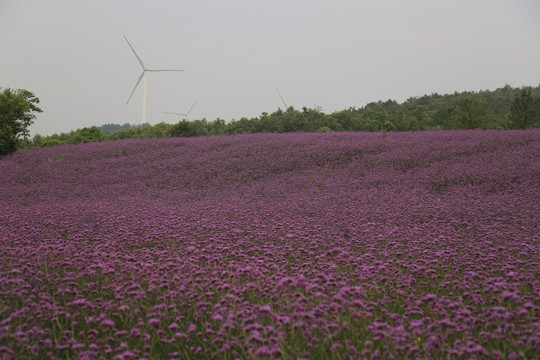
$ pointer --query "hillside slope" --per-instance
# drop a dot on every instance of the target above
(348, 244)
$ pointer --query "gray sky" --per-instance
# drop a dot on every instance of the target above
(329, 53)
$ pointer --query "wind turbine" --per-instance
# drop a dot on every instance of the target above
(143, 75)
(187, 113)
(282, 99)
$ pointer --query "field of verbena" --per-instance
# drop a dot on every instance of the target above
(346, 245)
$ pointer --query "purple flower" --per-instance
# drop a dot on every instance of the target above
(107, 323)
(154, 322)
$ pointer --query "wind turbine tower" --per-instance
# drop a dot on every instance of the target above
(143, 75)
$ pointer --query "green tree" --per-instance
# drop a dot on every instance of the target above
(217, 127)
(347, 120)
(324, 129)
(86, 135)
(159, 130)
(375, 117)
(186, 128)
(525, 111)
(242, 126)
(471, 113)
(17, 108)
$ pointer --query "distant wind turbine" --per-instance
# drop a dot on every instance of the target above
(286, 107)
(187, 113)
(143, 75)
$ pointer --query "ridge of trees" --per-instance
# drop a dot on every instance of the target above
(503, 108)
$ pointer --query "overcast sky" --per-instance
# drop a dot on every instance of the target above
(329, 53)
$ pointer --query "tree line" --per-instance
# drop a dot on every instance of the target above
(503, 108)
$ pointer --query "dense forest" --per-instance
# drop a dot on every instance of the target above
(503, 108)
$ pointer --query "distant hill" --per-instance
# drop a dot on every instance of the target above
(112, 128)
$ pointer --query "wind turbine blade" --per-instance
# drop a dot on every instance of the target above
(282, 99)
(157, 70)
(137, 84)
(138, 58)
(166, 112)
(192, 106)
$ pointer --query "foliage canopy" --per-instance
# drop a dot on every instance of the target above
(17, 108)
(525, 111)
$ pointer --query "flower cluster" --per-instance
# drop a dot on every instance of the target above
(330, 245)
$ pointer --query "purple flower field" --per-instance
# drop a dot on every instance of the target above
(291, 246)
